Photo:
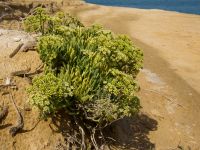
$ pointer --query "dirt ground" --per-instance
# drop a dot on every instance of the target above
(170, 90)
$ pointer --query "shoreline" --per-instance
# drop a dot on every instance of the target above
(169, 91)
(148, 9)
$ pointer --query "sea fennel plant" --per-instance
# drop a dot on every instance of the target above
(89, 72)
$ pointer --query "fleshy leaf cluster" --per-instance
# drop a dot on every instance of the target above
(89, 72)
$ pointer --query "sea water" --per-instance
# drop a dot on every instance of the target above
(184, 6)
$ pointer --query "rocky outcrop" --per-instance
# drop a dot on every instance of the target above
(16, 10)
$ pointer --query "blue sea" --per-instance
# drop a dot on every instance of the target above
(184, 6)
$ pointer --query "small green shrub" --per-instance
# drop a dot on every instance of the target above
(41, 22)
(50, 93)
(90, 72)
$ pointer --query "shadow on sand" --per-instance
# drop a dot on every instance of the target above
(131, 133)
(127, 133)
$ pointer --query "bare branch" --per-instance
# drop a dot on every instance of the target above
(3, 113)
(20, 122)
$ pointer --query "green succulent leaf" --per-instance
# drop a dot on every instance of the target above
(89, 71)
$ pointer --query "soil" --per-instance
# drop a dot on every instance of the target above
(169, 82)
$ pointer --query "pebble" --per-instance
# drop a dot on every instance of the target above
(190, 94)
(17, 39)
(7, 82)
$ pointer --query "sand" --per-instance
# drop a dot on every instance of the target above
(36, 133)
(170, 89)
(175, 35)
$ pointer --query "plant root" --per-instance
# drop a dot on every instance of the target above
(20, 121)
(83, 147)
(92, 137)
(3, 113)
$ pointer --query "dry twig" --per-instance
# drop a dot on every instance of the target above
(20, 121)
(3, 113)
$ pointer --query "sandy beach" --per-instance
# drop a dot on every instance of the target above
(170, 90)
(169, 81)
(175, 35)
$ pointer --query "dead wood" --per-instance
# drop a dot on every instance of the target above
(25, 73)
(20, 73)
(20, 121)
(7, 85)
(29, 45)
(3, 113)
(16, 50)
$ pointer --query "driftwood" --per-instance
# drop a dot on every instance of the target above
(3, 113)
(20, 73)
(25, 73)
(7, 85)
(10, 17)
(16, 50)
(29, 45)
(20, 121)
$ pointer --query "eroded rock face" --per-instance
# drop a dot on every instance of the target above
(17, 10)
(14, 10)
